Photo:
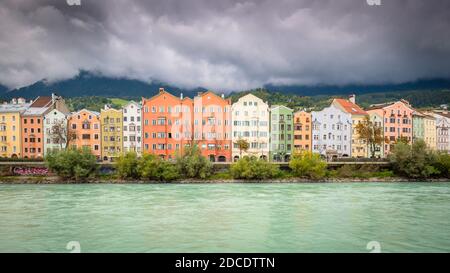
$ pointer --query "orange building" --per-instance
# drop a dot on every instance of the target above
(212, 126)
(32, 127)
(84, 131)
(398, 122)
(166, 124)
(302, 131)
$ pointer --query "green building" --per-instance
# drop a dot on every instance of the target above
(418, 126)
(282, 133)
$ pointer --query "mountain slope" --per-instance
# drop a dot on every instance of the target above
(87, 84)
(431, 84)
(3, 89)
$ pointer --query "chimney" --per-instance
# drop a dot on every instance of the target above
(14, 101)
(53, 97)
(352, 98)
(107, 106)
(161, 90)
(181, 96)
(223, 96)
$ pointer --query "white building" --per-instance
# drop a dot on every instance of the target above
(332, 132)
(442, 131)
(55, 131)
(132, 129)
(250, 121)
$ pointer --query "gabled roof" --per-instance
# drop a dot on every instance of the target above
(443, 114)
(161, 92)
(209, 92)
(86, 110)
(280, 106)
(350, 107)
(387, 104)
(42, 102)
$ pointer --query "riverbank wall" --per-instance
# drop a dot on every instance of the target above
(52, 179)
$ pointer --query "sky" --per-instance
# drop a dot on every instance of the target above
(228, 44)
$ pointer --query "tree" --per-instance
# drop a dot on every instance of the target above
(59, 134)
(308, 164)
(253, 168)
(415, 161)
(154, 168)
(127, 165)
(72, 164)
(192, 164)
(371, 133)
(243, 145)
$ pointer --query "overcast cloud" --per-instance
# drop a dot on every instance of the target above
(227, 44)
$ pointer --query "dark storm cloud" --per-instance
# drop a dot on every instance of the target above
(226, 44)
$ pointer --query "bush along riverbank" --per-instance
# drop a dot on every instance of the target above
(408, 163)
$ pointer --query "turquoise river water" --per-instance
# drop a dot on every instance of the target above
(400, 217)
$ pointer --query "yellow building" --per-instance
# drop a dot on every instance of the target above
(10, 137)
(429, 124)
(359, 146)
(111, 125)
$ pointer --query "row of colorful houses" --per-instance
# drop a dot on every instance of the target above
(165, 125)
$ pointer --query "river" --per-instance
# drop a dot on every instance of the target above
(328, 217)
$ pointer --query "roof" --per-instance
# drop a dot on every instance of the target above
(13, 108)
(86, 110)
(443, 114)
(35, 111)
(42, 102)
(350, 107)
(383, 105)
(280, 106)
(161, 92)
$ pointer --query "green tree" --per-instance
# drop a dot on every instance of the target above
(153, 168)
(243, 145)
(442, 164)
(253, 168)
(192, 164)
(414, 161)
(127, 166)
(308, 164)
(371, 133)
(72, 164)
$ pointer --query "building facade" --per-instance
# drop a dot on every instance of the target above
(55, 131)
(302, 131)
(398, 122)
(442, 131)
(10, 130)
(111, 122)
(332, 132)
(282, 133)
(167, 124)
(418, 126)
(378, 121)
(212, 126)
(33, 128)
(359, 145)
(132, 128)
(250, 122)
(430, 131)
(84, 131)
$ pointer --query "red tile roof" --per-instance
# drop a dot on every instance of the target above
(350, 107)
(42, 102)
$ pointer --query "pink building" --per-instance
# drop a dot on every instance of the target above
(398, 122)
